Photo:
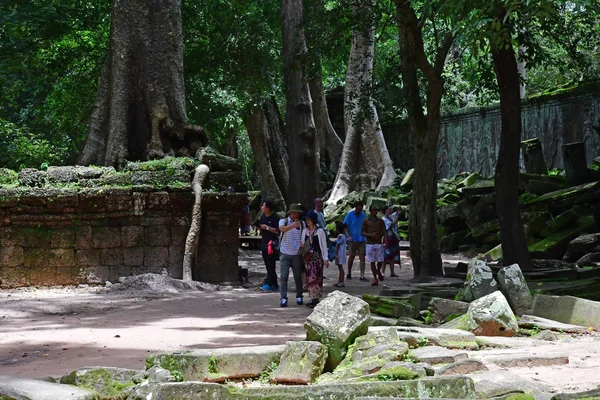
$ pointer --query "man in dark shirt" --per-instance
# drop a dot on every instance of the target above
(269, 223)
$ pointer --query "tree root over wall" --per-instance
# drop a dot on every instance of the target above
(191, 242)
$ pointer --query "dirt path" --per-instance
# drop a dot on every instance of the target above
(52, 331)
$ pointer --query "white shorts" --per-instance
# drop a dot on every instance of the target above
(374, 253)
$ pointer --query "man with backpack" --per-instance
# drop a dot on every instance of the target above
(289, 252)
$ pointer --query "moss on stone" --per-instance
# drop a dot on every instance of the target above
(99, 381)
(520, 396)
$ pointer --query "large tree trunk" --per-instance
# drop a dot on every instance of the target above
(269, 147)
(365, 161)
(139, 111)
(329, 144)
(300, 128)
(514, 245)
(424, 242)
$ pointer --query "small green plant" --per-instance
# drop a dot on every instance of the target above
(422, 341)
(177, 375)
(213, 367)
(265, 376)
(408, 358)
(555, 172)
(536, 329)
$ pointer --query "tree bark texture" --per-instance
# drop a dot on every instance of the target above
(191, 241)
(269, 146)
(300, 127)
(512, 236)
(329, 144)
(139, 112)
(424, 242)
(365, 161)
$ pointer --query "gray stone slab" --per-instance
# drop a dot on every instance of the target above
(30, 389)
(382, 321)
(336, 321)
(459, 387)
(502, 342)
(462, 367)
(437, 355)
(501, 384)
(449, 338)
(218, 365)
(301, 363)
(533, 322)
(568, 310)
(517, 361)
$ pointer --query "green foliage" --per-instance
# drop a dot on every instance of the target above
(19, 148)
(265, 376)
(556, 172)
(51, 55)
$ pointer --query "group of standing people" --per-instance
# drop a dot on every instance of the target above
(301, 245)
(373, 239)
(301, 242)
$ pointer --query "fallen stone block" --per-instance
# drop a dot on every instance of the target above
(449, 338)
(218, 365)
(590, 394)
(567, 309)
(546, 335)
(533, 322)
(437, 355)
(301, 363)
(444, 309)
(455, 387)
(517, 361)
(394, 371)
(336, 322)
(503, 342)
(389, 307)
(382, 321)
(480, 281)
(462, 367)
(581, 245)
(514, 287)
(369, 354)
(109, 382)
(31, 389)
(556, 245)
(488, 316)
(498, 384)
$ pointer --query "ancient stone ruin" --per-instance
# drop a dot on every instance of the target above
(73, 225)
(350, 354)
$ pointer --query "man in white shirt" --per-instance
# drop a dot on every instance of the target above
(289, 252)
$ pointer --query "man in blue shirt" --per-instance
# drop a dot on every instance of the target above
(356, 242)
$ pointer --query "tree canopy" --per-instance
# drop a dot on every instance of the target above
(52, 54)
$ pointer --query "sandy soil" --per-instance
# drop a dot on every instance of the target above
(51, 331)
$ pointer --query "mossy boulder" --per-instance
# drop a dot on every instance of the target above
(490, 315)
(371, 353)
(301, 363)
(110, 383)
(336, 322)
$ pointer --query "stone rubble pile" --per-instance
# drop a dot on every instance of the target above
(345, 358)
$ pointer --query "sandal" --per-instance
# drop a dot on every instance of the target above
(339, 284)
(393, 276)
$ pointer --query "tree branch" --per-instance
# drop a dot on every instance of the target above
(442, 53)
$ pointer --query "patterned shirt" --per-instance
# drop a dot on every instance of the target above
(290, 241)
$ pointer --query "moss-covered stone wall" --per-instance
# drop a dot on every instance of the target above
(73, 225)
(470, 138)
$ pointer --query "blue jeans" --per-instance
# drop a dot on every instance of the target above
(285, 262)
